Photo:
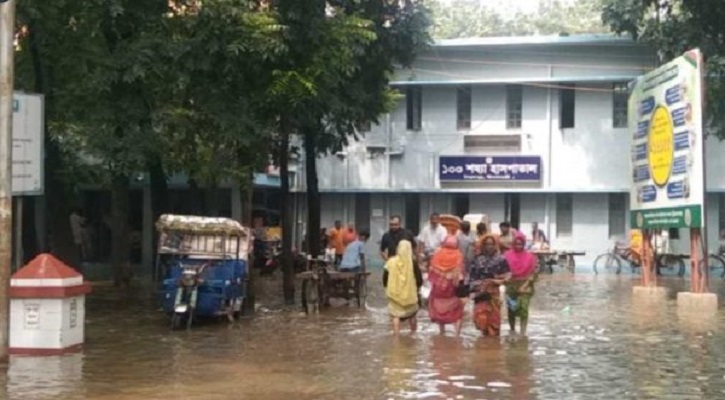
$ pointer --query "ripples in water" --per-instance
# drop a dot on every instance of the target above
(588, 340)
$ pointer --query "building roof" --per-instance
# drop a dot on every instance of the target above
(586, 39)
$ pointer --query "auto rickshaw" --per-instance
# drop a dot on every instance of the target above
(202, 263)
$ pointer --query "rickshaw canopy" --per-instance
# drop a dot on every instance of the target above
(201, 225)
(202, 236)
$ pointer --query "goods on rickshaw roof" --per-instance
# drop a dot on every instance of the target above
(201, 225)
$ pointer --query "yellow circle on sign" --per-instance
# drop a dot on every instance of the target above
(660, 146)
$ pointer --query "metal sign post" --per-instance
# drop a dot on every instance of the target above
(7, 29)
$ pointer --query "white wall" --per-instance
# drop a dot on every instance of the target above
(592, 156)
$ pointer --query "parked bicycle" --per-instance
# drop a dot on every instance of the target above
(621, 254)
(611, 261)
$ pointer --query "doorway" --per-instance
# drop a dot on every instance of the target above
(362, 211)
(461, 204)
(412, 212)
(512, 209)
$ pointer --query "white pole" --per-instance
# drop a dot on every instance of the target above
(7, 24)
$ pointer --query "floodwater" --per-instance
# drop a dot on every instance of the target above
(587, 341)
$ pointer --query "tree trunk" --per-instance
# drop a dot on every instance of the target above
(58, 237)
(159, 198)
(247, 196)
(120, 244)
(288, 284)
(313, 195)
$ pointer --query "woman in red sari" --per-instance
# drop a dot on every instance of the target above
(488, 271)
(445, 275)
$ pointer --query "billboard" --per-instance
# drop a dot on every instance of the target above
(665, 124)
(489, 168)
(28, 144)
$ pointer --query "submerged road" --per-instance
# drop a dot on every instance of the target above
(587, 341)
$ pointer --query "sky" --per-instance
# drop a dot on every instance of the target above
(508, 8)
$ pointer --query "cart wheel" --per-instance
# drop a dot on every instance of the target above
(362, 291)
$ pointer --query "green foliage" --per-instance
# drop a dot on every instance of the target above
(673, 27)
(138, 79)
(475, 18)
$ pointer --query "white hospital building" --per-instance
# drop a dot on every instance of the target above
(543, 118)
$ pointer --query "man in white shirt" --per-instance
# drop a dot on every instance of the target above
(432, 235)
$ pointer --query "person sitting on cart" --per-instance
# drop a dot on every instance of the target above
(353, 260)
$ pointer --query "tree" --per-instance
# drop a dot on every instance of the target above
(334, 79)
(135, 81)
(474, 18)
(673, 27)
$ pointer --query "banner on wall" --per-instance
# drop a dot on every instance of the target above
(665, 124)
(489, 168)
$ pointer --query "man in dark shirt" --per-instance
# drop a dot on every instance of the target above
(391, 238)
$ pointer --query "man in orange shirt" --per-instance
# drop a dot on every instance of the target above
(336, 241)
(350, 235)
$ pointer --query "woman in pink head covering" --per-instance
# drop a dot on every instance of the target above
(520, 288)
(445, 275)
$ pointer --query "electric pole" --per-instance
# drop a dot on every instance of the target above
(7, 36)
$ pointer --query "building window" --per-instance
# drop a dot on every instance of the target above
(617, 214)
(514, 106)
(463, 107)
(721, 212)
(566, 106)
(620, 96)
(564, 214)
(414, 108)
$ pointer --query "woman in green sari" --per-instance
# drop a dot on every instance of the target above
(520, 288)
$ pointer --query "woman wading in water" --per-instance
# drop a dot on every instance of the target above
(401, 280)
(520, 288)
(489, 270)
(445, 276)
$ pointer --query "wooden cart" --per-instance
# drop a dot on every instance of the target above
(564, 259)
(322, 281)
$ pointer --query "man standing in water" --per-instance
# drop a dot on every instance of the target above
(335, 241)
(393, 236)
(506, 238)
(431, 236)
(466, 243)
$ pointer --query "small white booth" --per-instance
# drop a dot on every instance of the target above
(47, 308)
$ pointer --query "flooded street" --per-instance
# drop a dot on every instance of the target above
(587, 341)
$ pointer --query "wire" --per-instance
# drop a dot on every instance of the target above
(542, 85)
(528, 64)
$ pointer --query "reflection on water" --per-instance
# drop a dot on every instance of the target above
(587, 341)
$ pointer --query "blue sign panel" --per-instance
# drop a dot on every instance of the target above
(641, 173)
(680, 165)
(642, 129)
(639, 152)
(679, 117)
(647, 193)
(490, 168)
(678, 190)
(682, 140)
(646, 106)
(673, 95)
